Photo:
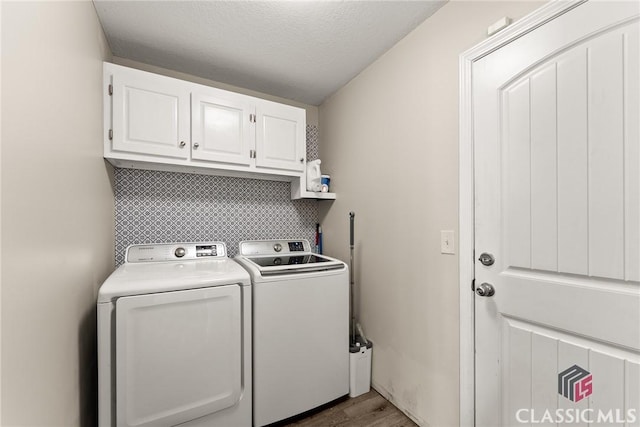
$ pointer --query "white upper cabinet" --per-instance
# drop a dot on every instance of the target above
(221, 129)
(150, 114)
(161, 123)
(279, 132)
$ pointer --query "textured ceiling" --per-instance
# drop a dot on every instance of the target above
(300, 50)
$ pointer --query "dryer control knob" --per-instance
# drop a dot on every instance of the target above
(277, 247)
(180, 252)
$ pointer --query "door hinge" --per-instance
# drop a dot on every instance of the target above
(110, 90)
(110, 134)
(473, 285)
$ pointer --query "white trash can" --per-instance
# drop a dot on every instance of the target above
(360, 368)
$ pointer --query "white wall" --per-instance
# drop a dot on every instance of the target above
(389, 140)
(0, 213)
(312, 110)
(57, 211)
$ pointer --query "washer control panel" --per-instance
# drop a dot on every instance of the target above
(296, 246)
(175, 252)
(272, 247)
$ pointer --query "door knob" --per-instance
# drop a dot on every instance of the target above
(485, 290)
(195, 145)
(486, 259)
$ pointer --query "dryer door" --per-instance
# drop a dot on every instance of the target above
(178, 355)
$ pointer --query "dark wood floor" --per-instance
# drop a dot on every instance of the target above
(369, 409)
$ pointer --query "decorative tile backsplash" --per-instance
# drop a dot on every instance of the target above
(159, 207)
(312, 142)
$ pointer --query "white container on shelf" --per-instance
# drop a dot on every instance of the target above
(314, 176)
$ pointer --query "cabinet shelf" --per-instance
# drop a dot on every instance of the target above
(298, 191)
(318, 195)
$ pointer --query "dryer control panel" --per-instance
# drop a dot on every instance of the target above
(160, 252)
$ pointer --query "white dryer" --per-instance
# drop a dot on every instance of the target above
(174, 339)
(300, 328)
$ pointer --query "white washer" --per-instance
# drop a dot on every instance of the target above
(300, 328)
(174, 339)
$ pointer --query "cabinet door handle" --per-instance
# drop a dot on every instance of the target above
(182, 144)
(195, 145)
(301, 159)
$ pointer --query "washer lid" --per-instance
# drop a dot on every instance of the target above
(156, 277)
(294, 264)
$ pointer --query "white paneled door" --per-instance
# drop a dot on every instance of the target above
(557, 205)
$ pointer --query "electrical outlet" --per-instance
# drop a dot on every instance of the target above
(447, 242)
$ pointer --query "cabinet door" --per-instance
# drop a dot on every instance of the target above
(150, 114)
(221, 129)
(280, 136)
